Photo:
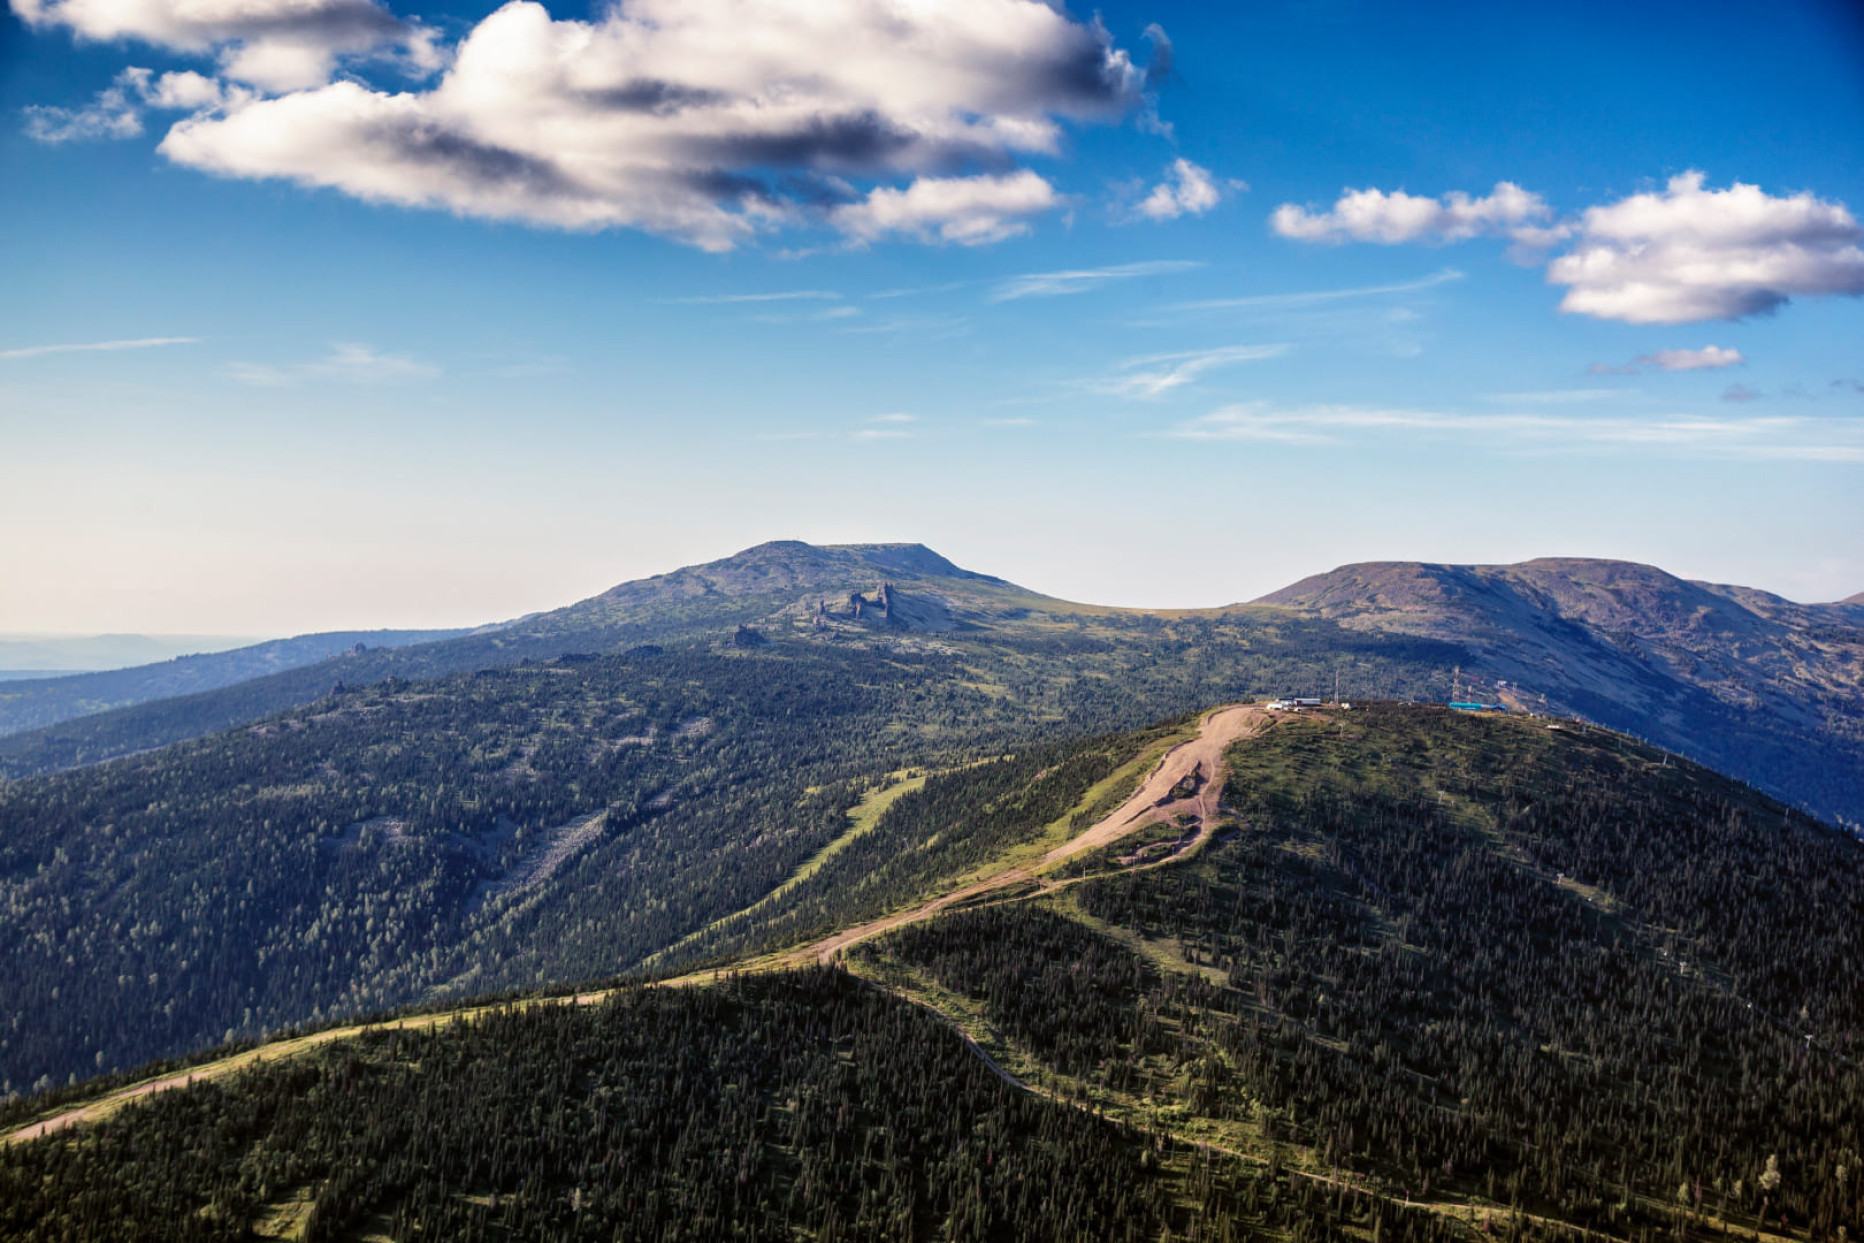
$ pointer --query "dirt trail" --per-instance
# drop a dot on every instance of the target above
(105, 1105)
(1197, 763)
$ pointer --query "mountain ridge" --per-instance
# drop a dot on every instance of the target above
(1745, 680)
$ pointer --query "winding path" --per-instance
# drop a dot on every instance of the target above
(1162, 796)
(1197, 762)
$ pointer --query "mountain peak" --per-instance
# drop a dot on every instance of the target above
(781, 565)
(909, 559)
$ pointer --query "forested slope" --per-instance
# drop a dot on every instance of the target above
(769, 1108)
(1437, 976)
(1471, 961)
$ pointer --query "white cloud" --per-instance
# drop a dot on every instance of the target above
(1685, 254)
(1158, 374)
(275, 44)
(346, 362)
(139, 343)
(707, 120)
(1056, 284)
(1187, 188)
(1679, 255)
(970, 211)
(1372, 215)
(1708, 358)
(895, 417)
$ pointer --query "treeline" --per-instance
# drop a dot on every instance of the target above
(761, 1109)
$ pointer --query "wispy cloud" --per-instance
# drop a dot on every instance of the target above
(917, 290)
(1007, 422)
(1316, 296)
(826, 314)
(525, 369)
(1157, 374)
(1834, 440)
(890, 426)
(347, 362)
(138, 343)
(1080, 280)
(1558, 396)
(786, 295)
(928, 327)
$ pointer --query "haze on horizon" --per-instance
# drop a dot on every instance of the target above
(399, 316)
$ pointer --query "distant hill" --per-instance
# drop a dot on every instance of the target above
(56, 654)
(782, 587)
(1750, 683)
(33, 702)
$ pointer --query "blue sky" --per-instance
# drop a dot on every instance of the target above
(971, 297)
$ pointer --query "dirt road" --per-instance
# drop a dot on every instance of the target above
(1161, 797)
(1187, 781)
